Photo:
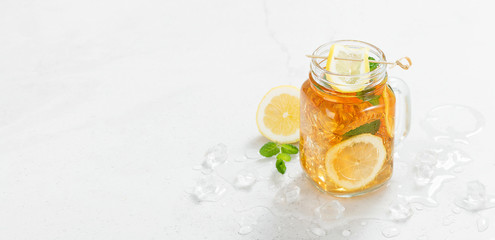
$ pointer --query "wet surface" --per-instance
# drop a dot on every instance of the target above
(428, 179)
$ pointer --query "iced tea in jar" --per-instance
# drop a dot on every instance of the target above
(348, 119)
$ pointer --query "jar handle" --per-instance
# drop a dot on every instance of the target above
(402, 109)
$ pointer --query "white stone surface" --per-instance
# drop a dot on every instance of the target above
(105, 106)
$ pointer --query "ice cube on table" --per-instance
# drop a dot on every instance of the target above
(208, 189)
(318, 231)
(214, 156)
(475, 198)
(329, 211)
(346, 233)
(424, 167)
(482, 224)
(400, 209)
(244, 230)
(245, 179)
(291, 193)
(390, 232)
(423, 174)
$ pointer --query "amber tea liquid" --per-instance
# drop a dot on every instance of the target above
(327, 115)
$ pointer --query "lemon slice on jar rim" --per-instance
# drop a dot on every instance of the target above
(354, 163)
(347, 84)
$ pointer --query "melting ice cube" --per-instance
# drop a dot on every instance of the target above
(475, 198)
(390, 232)
(292, 194)
(214, 156)
(346, 233)
(482, 224)
(318, 231)
(330, 211)
(424, 167)
(208, 189)
(244, 230)
(245, 179)
(400, 210)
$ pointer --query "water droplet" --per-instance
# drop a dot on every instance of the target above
(390, 232)
(456, 210)
(329, 211)
(482, 223)
(454, 123)
(244, 230)
(346, 233)
(245, 179)
(208, 189)
(448, 220)
(449, 157)
(318, 231)
(400, 209)
(252, 154)
(430, 192)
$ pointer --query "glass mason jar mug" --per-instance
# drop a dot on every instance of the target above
(347, 137)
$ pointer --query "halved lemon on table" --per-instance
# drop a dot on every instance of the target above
(277, 116)
(354, 163)
(347, 84)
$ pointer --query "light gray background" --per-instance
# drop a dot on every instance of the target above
(105, 106)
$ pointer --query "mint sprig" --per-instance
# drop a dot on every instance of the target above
(269, 149)
(283, 152)
(289, 149)
(371, 127)
(280, 165)
(373, 66)
(284, 157)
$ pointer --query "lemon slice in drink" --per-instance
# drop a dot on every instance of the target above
(278, 114)
(354, 163)
(389, 114)
(344, 67)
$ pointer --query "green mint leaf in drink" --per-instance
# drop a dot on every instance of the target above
(366, 97)
(374, 100)
(280, 165)
(371, 127)
(373, 66)
(289, 149)
(284, 157)
(269, 149)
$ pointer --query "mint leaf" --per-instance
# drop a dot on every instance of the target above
(280, 164)
(373, 66)
(290, 149)
(283, 156)
(374, 100)
(365, 97)
(269, 149)
(371, 127)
